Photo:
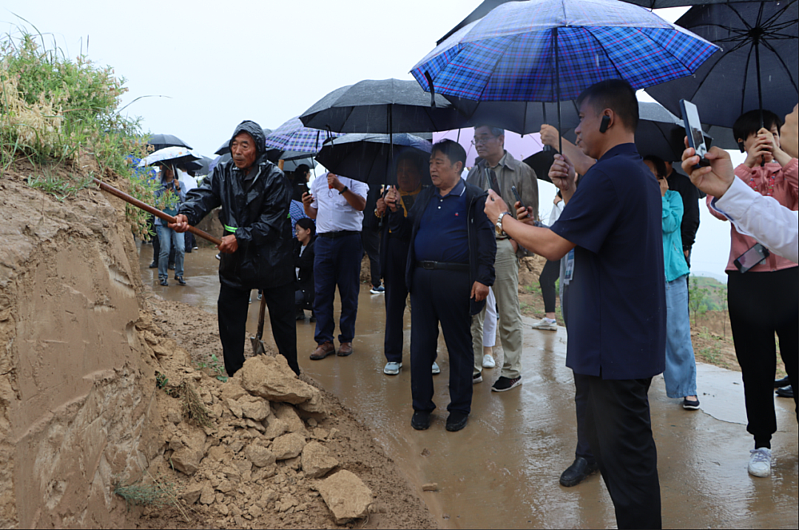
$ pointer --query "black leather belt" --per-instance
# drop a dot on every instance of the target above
(442, 265)
(336, 235)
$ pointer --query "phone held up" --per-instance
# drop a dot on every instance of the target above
(693, 130)
(754, 256)
(516, 194)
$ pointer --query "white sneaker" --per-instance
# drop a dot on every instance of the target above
(392, 368)
(488, 361)
(760, 462)
(546, 324)
(436, 368)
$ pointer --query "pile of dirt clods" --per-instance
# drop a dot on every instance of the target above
(105, 420)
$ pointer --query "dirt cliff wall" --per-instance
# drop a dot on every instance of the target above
(76, 395)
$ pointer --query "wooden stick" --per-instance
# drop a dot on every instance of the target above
(156, 212)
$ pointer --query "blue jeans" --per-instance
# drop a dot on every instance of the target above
(168, 238)
(680, 372)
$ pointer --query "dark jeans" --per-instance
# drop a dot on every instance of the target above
(619, 430)
(549, 276)
(396, 295)
(337, 261)
(762, 304)
(370, 237)
(441, 296)
(232, 308)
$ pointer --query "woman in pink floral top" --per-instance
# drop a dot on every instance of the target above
(765, 299)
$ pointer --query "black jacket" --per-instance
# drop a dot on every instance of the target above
(482, 238)
(305, 263)
(255, 207)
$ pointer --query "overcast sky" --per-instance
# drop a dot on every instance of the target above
(218, 63)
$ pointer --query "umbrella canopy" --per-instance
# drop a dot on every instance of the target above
(294, 136)
(368, 157)
(291, 165)
(160, 141)
(171, 155)
(760, 42)
(514, 52)
(517, 145)
(523, 117)
(383, 106)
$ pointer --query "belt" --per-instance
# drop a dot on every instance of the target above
(338, 234)
(442, 265)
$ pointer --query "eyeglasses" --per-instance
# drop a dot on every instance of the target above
(482, 140)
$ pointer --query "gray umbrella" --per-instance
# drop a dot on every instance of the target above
(384, 106)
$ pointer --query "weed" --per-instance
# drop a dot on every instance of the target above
(59, 187)
(158, 494)
(193, 407)
(161, 380)
(216, 367)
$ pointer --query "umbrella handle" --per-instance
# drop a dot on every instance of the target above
(156, 212)
(432, 89)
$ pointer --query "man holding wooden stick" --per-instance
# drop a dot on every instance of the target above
(256, 250)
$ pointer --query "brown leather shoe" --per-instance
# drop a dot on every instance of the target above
(345, 349)
(323, 350)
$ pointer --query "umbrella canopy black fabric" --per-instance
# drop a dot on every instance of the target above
(160, 141)
(368, 157)
(383, 106)
(760, 42)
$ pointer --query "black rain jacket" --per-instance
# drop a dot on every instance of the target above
(256, 210)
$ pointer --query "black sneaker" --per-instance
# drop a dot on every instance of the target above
(690, 404)
(503, 384)
(180, 280)
(577, 472)
(377, 289)
(477, 378)
(457, 421)
(786, 392)
(163, 282)
(420, 420)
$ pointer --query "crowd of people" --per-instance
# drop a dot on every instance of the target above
(620, 242)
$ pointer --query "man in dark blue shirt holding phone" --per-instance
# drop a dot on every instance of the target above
(617, 305)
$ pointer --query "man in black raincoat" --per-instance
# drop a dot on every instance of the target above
(256, 250)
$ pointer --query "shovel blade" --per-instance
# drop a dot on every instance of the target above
(257, 346)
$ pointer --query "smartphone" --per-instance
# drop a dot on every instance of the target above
(754, 256)
(693, 130)
(516, 194)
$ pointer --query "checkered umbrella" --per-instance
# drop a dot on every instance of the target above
(512, 53)
(551, 50)
(293, 136)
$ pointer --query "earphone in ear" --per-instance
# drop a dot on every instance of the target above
(741, 146)
(605, 123)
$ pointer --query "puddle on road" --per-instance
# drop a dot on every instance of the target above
(502, 470)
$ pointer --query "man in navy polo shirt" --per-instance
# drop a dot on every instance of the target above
(449, 269)
(617, 304)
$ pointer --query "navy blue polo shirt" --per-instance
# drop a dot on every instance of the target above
(443, 231)
(617, 297)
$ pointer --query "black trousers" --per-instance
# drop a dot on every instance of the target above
(581, 390)
(370, 237)
(620, 434)
(546, 281)
(441, 296)
(396, 295)
(762, 304)
(232, 308)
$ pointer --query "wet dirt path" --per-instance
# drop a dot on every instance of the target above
(502, 470)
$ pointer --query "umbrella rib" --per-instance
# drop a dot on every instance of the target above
(782, 62)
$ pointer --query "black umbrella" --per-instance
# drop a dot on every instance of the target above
(758, 66)
(291, 165)
(523, 117)
(160, 141)
(384, 106)
(367, 157)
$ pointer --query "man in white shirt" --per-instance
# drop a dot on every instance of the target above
(336, 203)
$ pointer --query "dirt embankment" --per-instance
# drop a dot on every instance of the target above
(99, 396)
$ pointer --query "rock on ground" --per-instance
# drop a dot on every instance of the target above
(346, 496)
(271, 378)
(288, 446)
(317, 460)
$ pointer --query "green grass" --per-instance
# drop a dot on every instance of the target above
(59, 187)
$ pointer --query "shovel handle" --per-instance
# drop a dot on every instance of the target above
(155, 211)
(261, 317)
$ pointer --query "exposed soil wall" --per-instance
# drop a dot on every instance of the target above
(75, 392)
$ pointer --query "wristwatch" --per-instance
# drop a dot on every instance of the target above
(499, 223)
(343, 190)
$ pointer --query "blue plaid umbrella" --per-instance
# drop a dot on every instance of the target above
(293, 136)
(552, 50)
